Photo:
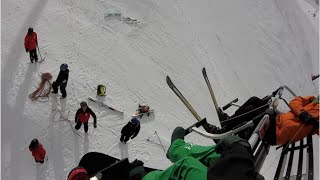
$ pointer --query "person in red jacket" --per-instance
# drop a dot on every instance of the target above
(31, 43)
(37, 150)
(83, 115)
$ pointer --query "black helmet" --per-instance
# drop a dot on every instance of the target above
(83, 103)
(34, 143)
(30, 30)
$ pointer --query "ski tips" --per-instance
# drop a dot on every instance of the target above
(204, 71)
(168, 79)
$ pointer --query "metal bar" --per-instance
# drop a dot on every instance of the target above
(289, 167)
(300, 162)
(197, 124)
(310, 158)
(278, 171)
(229, 104)
(261, 156)
(297, 147)
(223, 135)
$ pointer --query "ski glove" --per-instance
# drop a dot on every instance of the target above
(26, 50)
(307, 118)
(95, 125)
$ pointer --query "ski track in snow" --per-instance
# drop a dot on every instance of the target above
(269, 41)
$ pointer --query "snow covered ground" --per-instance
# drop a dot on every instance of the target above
(249, 48)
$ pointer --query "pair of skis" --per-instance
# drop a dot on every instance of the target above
(104, 105)
(185, 101)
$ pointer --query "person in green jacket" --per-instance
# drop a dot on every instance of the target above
(204, 162)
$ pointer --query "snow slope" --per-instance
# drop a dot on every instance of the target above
(248, 48)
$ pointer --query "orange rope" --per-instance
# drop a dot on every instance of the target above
(40, 92)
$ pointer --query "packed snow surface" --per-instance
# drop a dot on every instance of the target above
(249, 48)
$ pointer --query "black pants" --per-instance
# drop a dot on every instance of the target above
(124, 138)
(33, 55)
(249, 105)
(62, 89)
(78, 126)
(40, 161)
(271, 136)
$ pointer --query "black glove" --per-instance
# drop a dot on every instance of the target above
(27, 50)
(307, 118)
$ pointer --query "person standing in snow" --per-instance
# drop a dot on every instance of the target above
(37, 150)
(61, 81)
(30, 44)
(82, 117)
(131, 129)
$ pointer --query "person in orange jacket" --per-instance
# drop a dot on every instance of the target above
(302, 120)
(30, 44)
(37, 150)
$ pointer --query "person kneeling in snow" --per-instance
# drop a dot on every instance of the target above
(83, 115)
(131, 129)
(37, 150)
(143, 109)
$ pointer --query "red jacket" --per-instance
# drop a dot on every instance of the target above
(84, 116)
(38, 153)
(31, 41)
(290, 127)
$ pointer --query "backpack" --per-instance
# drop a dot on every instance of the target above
(101, 90)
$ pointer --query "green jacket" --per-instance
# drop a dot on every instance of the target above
(179, 149)
(190, 162)
(187, 168)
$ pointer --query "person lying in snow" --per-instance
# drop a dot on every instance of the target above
(301, 121)
(141, 109)
(230, 159)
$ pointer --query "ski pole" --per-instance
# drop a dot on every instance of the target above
(160, 141)
(39, 53)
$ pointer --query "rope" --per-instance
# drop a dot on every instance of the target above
(61, 118)
(40, 92)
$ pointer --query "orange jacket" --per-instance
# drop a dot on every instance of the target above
(31, 41)
(288, 124)
(38, 153)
